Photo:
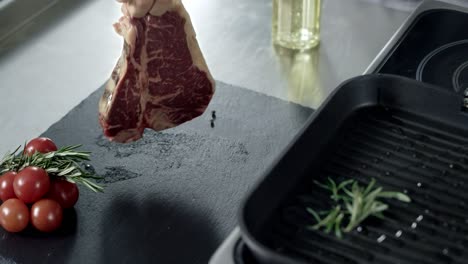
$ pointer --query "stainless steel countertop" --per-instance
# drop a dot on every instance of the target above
(56, 60)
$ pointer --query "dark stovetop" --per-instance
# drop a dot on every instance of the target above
(433, 50)
(171, 197)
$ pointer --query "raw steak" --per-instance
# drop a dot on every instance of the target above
(161, 80)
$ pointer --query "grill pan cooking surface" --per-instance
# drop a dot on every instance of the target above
(411, 137)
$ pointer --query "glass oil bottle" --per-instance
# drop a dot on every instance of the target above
(296, 23)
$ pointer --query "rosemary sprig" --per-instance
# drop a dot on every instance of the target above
(61, 163)
(352, 204)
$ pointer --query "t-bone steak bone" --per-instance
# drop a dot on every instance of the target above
(161, 80)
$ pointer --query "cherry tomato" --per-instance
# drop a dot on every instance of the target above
(46, 215)
(40, 144)
(31, 184)
(6, 186)
(14, 215)
(63, 192)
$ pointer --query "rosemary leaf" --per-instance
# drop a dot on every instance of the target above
(329, 218)
(314, 214)
(52, 170)
(76, 174)
(395, 195)
(344, 184)
(339, 219)
(66, 171)
(370, 186)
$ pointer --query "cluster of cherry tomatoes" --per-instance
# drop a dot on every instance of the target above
(31, 196)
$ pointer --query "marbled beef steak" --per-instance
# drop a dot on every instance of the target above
(161, 80)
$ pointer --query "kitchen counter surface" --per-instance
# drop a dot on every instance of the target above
(67, 51)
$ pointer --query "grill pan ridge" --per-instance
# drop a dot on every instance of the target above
(411, 137)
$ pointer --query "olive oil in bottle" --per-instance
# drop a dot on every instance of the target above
(296, 23)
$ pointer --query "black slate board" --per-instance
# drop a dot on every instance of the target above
(171, 197)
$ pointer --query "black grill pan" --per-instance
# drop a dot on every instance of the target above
(411, 137)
